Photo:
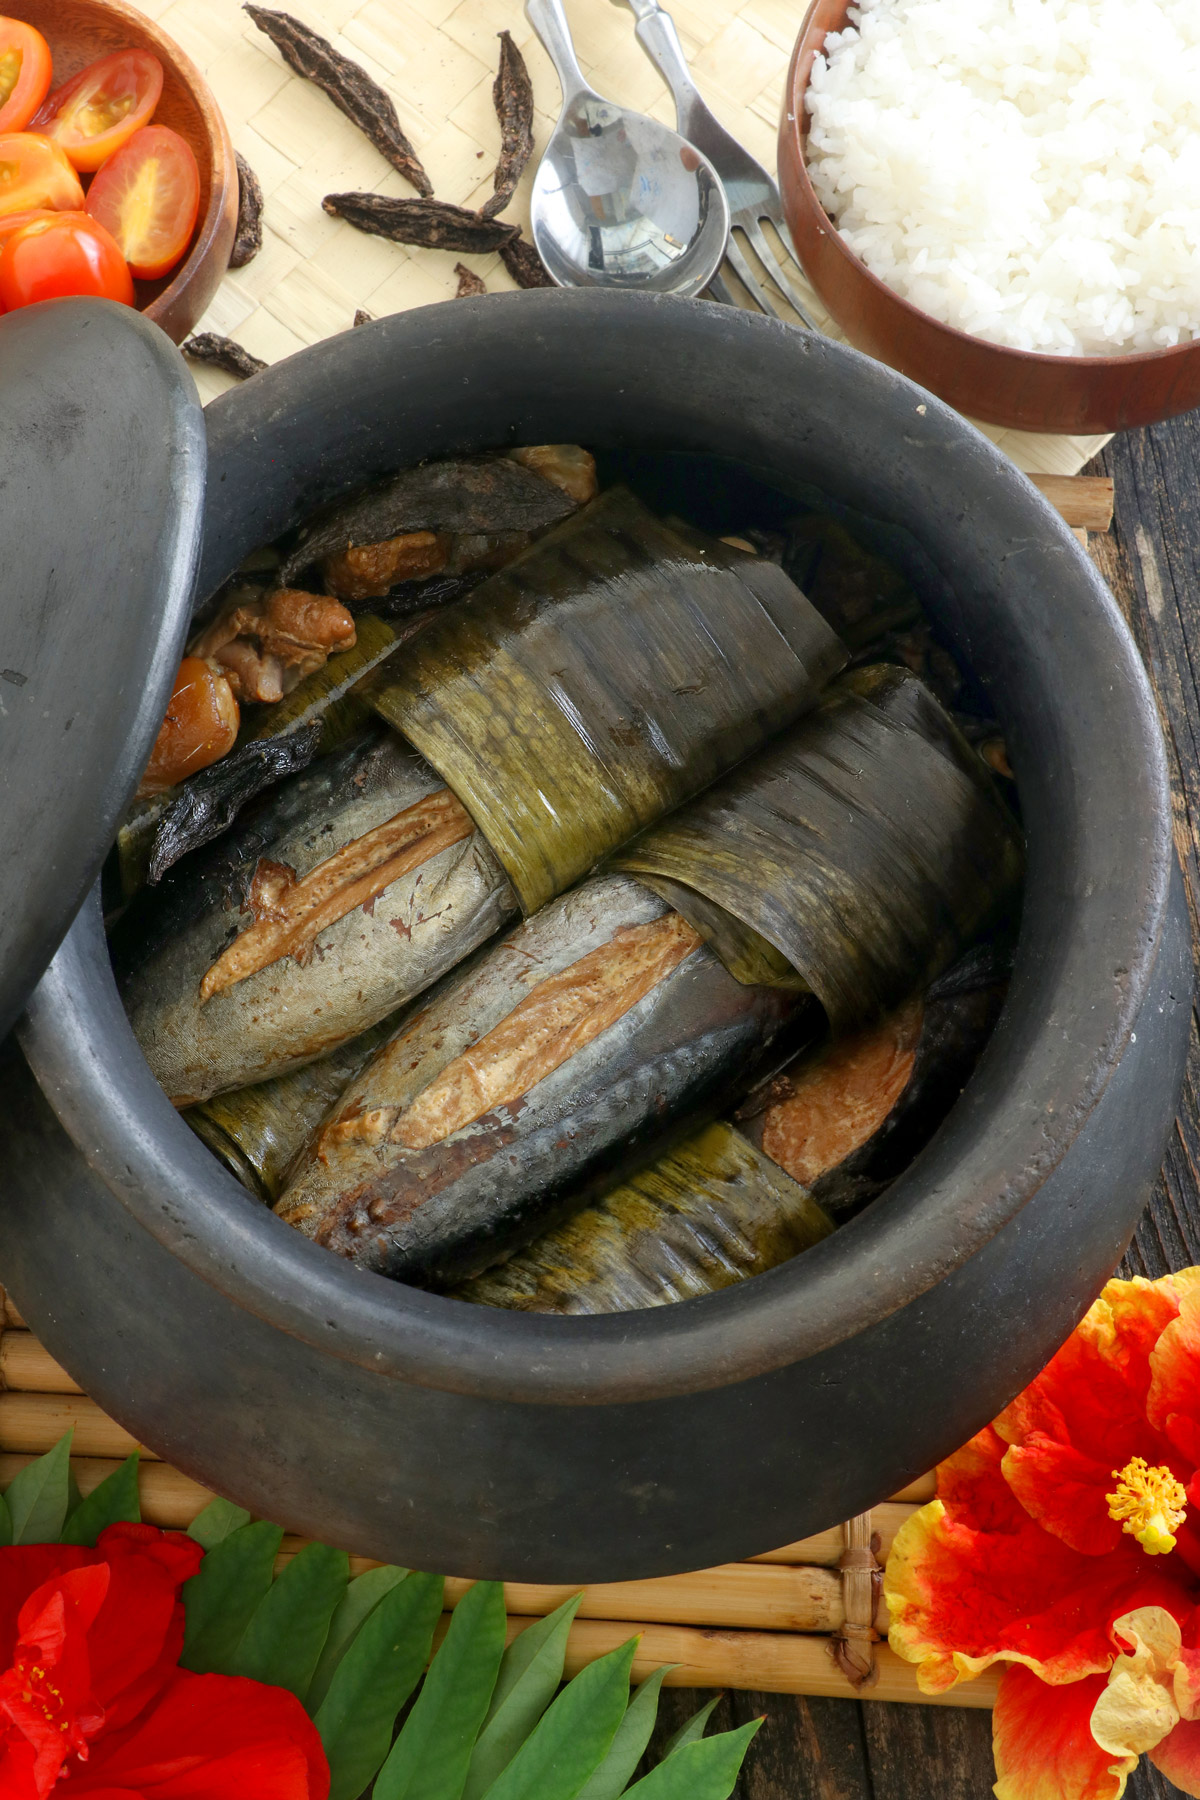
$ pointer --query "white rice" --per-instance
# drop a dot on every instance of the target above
(1025, 170)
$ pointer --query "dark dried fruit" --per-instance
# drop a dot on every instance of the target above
(363, 317)
(512, 95)
(212, 800)
(351, 89)
(434, 224)
(524, 264)
(223, 353)
(248, 242)
(469, 283)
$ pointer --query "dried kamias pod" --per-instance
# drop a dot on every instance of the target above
(512, 96)
(521, 1078)
(857, 857)
(259, 1131)
(606, 675)
(248, 242)
(223, 353)
(488, 496)
(703, 1217)
(336, 898)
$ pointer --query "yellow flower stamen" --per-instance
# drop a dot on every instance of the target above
(1149, 1504)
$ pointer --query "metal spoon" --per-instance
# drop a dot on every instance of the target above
(620, 200)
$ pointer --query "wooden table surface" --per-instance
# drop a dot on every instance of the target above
(846, 1750)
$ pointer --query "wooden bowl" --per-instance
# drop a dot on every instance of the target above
(1078, 394)
(79, 31)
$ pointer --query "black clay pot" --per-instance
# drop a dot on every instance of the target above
(431, 1433)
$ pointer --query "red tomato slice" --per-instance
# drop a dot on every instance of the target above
(24, 73)
(92, 115)
(63, 253)
(10, 222)
(35, 175)
(148, 196)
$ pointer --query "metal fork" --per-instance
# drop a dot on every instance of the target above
(751, 191)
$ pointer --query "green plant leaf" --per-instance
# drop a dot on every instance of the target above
(528, 1681)
(629, 1746)
(285, 1636)
(374, 1679)
(37, 1497)
(74, 1492)
(692, 1728)
(429, 1759)
(115, 1501)
(219, 1519)
(5, 1523)
(222, 1596)
(705, 1769)
(574, 1735)
(359, 1601)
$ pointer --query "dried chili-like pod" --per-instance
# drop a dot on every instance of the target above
(469, 283)
(348, 85)
(433, 224)
(363, 317)
(248, 242)
(857, 856)
(512, 96)
(222, 353)
(524, 264)
(599, 680)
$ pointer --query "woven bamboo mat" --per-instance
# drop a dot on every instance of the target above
(786, 1622)
(437, 58)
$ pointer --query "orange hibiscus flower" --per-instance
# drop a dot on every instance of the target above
(1065, 1542)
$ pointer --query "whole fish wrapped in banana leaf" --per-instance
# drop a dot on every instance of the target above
(259, 1131)
(338, 896)
(522, 1077)
(856, 857)
(605, 676)
(831, 1132)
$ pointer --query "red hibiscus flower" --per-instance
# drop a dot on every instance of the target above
(92, 1696)
(1065, 1542)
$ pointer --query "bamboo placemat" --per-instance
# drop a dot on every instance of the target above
(437, 58)
(791, 1622)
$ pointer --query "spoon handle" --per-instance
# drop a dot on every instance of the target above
(550, 22)
(656, 33)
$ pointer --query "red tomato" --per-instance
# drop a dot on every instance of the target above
(101, 108)
(147, 196)
(35, 175)
(24, 73)
(64, 253)
(10, 222)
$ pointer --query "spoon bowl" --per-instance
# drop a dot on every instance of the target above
(620, 200)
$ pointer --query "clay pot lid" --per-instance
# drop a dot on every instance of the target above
(102, 465)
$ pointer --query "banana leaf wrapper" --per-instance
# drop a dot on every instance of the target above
(259, 1131)
(856, 857)
(609, 673)
(523, 1081)
(705, 1216)
(321, 712)
(336, 898)
(485, 496)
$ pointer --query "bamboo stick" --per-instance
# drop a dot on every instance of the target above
(29, 1367)
(1085, 501)
(773, 1662)
(35, 1422)
(169, 1499)
(824, 1550)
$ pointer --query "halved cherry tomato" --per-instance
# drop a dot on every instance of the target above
(64, 253)
(35, 174)
(147, 196)
(24, 73)
(92, 115)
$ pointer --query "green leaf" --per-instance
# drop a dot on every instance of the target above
(574, 1736)
(287, 1633)
(692, 1728)
(429, 1759)
(113, 1502)
(37, 1497)
(359, 1601)
(629, 1746)
(219, 1520)
(5, 1523)
(374, 1679)
(703, 1770)
(222, 1596)
(74, 1492)
(528, 1680)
